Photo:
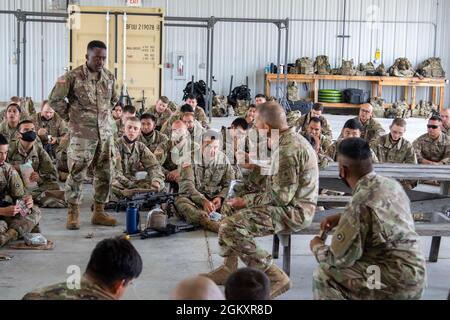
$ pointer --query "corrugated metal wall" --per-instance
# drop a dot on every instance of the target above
(243, 49)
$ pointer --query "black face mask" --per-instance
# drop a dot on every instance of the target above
(29, 136)
(128, 140)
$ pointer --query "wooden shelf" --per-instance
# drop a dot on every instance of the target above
(377, 84)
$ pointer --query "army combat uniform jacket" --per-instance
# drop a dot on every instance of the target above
(388, 151)
(433, 150)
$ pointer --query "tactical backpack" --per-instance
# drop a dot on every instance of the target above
(431, 68)
(355, 96)
(199, 89)
(399, 109)
(239, 93)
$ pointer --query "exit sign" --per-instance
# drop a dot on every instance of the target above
(134, 3)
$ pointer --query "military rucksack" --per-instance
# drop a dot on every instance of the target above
(241, 107)
(220, 107)
(347, 68)
(367, 69)
(399, 109)
(322, 65)
(424, 109)
(239, 93)
(292, 91)
(172, 106)
(378, 107)
(431, 68)
(304, 65)
(381, 71)
(402, 67)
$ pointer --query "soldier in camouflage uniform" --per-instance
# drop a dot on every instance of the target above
(199, 113)
(194, 127)
(11, 189)
(250, 115)
(288, 202)
(392, 147)
(371, 129)
(375, 233)
(316, 112)
(186, 108)
(48, 193)
(321, 143)
(352, 129)
(128, 112)
(161, 111)
(113, 265)
(433, 147)
(91, 94)
(134, 156)
(207, 181)
(445, 116)
(117, 111)
(157, 142)
(10, 125)
(50, 128)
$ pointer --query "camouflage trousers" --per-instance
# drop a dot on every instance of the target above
(61, 159)
(117, 188)
(49, 195)
(331, 283)
(23, 224)
(82, 153)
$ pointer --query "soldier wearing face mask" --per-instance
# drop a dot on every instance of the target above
(42, 182)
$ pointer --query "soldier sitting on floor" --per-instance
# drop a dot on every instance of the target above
(10, 125)
(51, 128)
(128, 111)
(160, 111)
(156, 141)
(433, 148)
(207, 180)
(41, 178)
(250, 115)
(14, 221)
(375, 252)
(113, 265)
(133, 156)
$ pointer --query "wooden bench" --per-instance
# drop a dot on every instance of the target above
(433, 229)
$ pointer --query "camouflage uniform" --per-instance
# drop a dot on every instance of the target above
(371, 130)
(158, 143)
(60, 291)
(134, 158)
(388, 151)
(42, 164)
(91, 137)
(161, 118)
(375, 230)
(203, 182)
(433, 150)
(9, 133)
(199, 116)
(303, 123)
(288, 202)
(333, 149)
(119, 129)
(56, 127)
(11, 188)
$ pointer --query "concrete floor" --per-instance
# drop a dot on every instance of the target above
(169, 260)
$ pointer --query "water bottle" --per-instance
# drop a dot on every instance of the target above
(132, 220)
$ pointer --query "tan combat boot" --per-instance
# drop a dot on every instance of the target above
(100, 217)
(209, 224)
(8, 236)
(73, 217)
(279, 281)
(220, 275)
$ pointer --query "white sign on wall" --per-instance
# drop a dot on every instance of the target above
(134, 3)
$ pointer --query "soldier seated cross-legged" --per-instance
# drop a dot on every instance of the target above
(375, 251)
(206, 178)
(14, 222)
(36, 168)
(157, 142)
(288, 202)
(134, 157)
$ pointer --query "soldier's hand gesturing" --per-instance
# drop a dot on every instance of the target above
(28, 199)
(217, 202)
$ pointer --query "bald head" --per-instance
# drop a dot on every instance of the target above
(197, 288)
(178, 125)
(271, 114)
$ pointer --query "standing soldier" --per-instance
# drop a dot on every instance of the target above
(89, 90)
